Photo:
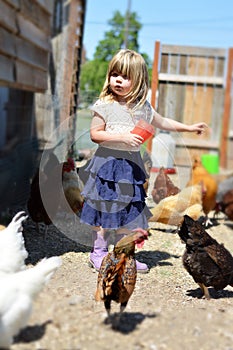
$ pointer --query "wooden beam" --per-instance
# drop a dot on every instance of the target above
(193, 51)
(154, 84)
(8, 17)
(226, 111)
(7, 69)
(191, 79)
(30, 32)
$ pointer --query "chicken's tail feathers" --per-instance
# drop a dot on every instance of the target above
(48, 266)
(17, 221)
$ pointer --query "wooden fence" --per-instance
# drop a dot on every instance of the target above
(192, 84)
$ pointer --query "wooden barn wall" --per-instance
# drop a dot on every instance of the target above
(56, 109)
(191, 89)
(34, 96)
(25, 43)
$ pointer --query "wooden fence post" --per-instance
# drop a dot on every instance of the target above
(226, 112)
(154, 84)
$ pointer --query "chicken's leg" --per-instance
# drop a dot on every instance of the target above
(204, 290)
(107, 304)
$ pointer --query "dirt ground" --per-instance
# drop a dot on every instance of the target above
(165, 311)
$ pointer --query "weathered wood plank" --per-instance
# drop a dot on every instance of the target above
(188, 117)
(30, 77)
(162, 98)
(220, 66)
(29, 53)
(8, 17)
(14, 3)
(36, 14)
(164, 64)
(46, 4)
(33, 34)
(217, 113)
(183, 64)
(193, 50)
(7, 69)
(191, 79)
(7, 43)
(179, 101)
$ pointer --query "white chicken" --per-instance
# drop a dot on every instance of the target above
(17, 293)
(12, 248)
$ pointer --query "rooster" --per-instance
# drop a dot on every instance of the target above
(199, 175)
(17, 293)
(207, 261)
(12, 248)
(163, 187)
(171, 210)
(117, 275)
(72, 185)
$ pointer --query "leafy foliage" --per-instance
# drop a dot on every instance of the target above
(123, 33)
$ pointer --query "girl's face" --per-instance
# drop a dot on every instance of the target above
(120, 84)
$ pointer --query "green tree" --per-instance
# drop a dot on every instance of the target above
(123, 33)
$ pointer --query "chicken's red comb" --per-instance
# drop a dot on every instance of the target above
(140, 241)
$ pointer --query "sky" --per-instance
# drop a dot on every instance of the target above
(202, 23)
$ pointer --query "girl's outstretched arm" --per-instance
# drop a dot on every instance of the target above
(173, 125)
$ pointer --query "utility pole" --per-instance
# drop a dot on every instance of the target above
(127, 24)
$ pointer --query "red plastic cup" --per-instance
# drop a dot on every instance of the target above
(143, 129)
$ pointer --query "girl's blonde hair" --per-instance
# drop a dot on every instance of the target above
(131, 64)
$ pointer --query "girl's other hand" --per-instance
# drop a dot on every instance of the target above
(199, 128)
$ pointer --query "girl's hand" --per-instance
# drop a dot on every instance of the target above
(199, 128)
(132, 139)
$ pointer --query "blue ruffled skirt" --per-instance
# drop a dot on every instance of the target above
(114, 193)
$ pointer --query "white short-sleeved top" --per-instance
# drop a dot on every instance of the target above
(120, 119)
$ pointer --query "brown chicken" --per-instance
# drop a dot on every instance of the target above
(171, 210)
(226, 205)
(118, 273)
(208, 262)
(163, 187)
(199, 175)
(72, 186)
(44, 198)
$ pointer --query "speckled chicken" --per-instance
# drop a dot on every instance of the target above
(208, 262)
(118, 273)
(163, 187)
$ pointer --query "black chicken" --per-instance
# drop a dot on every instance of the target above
(208, 262)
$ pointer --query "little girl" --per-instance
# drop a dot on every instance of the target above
(114, 193)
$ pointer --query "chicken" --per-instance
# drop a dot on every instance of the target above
(163, 186)
(171, 210)
(17, 293)
(45, 192)
(210, 186)
(12, 248)
(117, 275)
(226, 205)
(72, 186)
(208, 262)
(146, 158)
(224, 198)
